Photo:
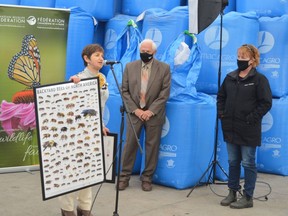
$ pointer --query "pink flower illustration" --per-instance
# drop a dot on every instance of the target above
(20, 116)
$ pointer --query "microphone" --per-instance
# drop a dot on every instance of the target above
(107, 62)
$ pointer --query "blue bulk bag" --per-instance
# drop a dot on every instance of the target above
(113, 28)
(163, 27)
(273, 46)
(128, 48)
(101, 10)
(230, 7)
(185, 154)
(272, 156)
(112, 119)
(37, 3)
(99, 33)
(222, 156)
(11, 2)
(80, 34)
(185, 64)
(136, 7)
(271, 8)
(209, 42)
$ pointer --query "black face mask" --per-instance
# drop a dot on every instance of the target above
(146, 57)
(242, 64)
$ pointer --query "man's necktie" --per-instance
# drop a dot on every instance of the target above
(144, 82)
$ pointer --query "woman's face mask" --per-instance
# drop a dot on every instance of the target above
(242, 64)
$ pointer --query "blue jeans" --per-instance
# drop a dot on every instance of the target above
(246, 155)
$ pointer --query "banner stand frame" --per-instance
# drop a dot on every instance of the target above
(28, 169)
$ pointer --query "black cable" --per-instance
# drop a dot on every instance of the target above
(259, 198)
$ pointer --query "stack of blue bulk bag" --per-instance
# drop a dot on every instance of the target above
(273, 153)
(273, 47)
(80, 34)
(101, 10)
(186, 147)
(136, 7)
(271, 8)
(37, 3)
(272, 156)
(163, 26)
(185, 154)
(209, 42)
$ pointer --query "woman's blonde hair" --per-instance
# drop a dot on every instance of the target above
(252, 52)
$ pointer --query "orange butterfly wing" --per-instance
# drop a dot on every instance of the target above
(25, 66)
(23, 69)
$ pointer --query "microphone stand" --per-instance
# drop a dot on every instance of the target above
(123, 109)
(215, 162)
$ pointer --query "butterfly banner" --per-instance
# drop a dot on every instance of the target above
(33, 53)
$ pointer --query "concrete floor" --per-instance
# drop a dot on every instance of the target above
(21, 195)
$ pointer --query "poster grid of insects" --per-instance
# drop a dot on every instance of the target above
(70, 136)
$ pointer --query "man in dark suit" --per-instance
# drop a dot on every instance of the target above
(146, 89)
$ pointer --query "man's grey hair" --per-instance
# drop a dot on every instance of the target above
(154, 46)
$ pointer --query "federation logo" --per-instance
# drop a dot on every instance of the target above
(266, 41)
(212, 37)
(31, 20)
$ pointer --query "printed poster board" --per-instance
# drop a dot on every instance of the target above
(110, 143)
(70, 136)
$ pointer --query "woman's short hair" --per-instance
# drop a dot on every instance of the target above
(252, 52)
(89, 50)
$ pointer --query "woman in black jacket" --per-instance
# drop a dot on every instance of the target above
(242, 100)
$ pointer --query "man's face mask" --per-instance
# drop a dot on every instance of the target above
(146, 57)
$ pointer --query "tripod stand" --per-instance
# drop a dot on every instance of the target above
(123, 109)
(212, 167)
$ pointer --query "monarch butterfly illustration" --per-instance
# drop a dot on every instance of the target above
(25, 66)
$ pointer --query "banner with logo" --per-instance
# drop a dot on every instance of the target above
(33, 53)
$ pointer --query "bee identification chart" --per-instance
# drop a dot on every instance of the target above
(70, 136)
